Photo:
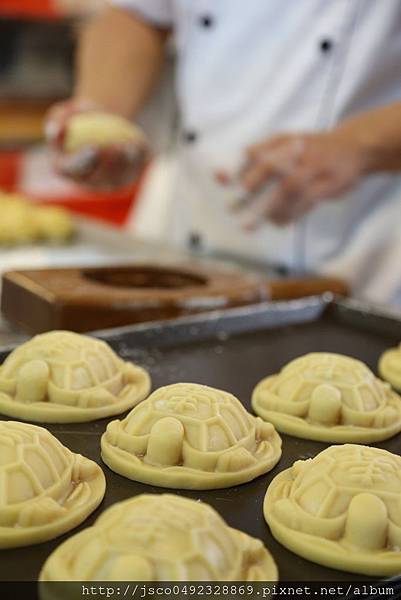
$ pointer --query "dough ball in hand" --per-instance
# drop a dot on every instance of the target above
(102, 150)
(101, 130)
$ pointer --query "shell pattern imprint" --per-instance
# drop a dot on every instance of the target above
(191, 436)
(160, 538)
(390, 367)
(64, 377)
(45, 489)
(341, 509)
(330, 398)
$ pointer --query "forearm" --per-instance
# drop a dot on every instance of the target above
(377, 134)
(119, 61)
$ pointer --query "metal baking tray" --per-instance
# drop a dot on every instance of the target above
(233, 350)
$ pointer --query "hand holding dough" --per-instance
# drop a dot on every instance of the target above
(101, 130)
(99, 149)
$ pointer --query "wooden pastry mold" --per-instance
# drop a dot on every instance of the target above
(96, 298)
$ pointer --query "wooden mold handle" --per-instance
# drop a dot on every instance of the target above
(287, 289)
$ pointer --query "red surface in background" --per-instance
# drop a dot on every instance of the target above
(28, 8)
(9, 170)
(112, 207)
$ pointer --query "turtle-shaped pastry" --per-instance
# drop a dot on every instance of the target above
(45, 489)
(390, 367)
(341, 509)
(64, 377)
(330, 398)
(160, 538)
(191, 436)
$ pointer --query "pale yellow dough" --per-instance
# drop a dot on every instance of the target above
(24, 222)
(341, 509)
(390, 367)
(160, 538)
(64, 377)
(100, 129)
(330, 398)
(53, 223)
(45, 490)
(191, 436)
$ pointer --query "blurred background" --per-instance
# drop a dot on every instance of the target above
(38, 40)
(333, 249)
(37, 45)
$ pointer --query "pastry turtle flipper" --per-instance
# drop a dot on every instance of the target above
(191, 436)
(45, 490)
(341, 509)
(329, 398)
(64, 377)
(390, 367)
(160, 538)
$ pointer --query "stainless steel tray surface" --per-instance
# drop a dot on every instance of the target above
(232, 350)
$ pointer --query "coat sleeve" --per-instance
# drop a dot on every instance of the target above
(158, 12)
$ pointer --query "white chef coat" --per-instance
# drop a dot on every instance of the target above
(248, 70)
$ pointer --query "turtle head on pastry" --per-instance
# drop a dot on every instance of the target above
(64, 377)
(329, 397)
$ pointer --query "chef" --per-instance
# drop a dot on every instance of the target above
(290, 140)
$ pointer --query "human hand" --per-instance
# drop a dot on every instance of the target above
(288, 175)
(94, 147)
